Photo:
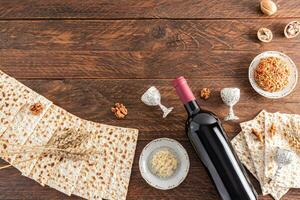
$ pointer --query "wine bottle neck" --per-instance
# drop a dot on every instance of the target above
(192, 107)
(183, 90)
(186, 95)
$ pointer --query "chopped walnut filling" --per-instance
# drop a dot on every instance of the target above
(272, 130)
(205, 93)
(119, 110)
(258, 135)
(272, 74)
(36, 108)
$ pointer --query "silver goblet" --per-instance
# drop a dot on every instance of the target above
(152, 97)
(283, 157)
(230, 97)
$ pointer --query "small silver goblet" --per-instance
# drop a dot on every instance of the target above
(230, 97)
(152, 97)
(283, 158)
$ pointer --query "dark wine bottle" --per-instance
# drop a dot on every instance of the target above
(212, 146)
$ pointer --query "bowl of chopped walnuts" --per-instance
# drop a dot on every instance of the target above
(273, 74)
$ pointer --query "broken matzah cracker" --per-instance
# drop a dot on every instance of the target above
(240, 146)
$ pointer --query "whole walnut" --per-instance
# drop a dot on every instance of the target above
(268, 7)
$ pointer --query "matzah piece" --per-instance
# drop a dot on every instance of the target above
(125, 154)
(22, 126)
(288, 131)
(66, 171)
(13, 96)
(240, 146)
(43, 168)
(39, 137)
(105, 141)
(93, 177)
(109, 178)
(255, 146)
(271, 142)
(256, 149)
(112, 136)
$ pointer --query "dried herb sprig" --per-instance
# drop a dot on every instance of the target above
(66, 143)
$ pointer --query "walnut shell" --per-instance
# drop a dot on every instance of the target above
(292, 29)
(265, 35)
(268, 7)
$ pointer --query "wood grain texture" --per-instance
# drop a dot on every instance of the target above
(87, 55)
(136, 49)
(115, 9)
(142, 35)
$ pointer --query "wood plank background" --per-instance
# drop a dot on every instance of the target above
(86, 55)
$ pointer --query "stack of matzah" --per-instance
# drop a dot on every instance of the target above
(104, 175)
(257, 146)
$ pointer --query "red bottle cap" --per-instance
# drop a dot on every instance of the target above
(183, 90)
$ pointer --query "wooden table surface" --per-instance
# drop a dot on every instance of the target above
(86, 55)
